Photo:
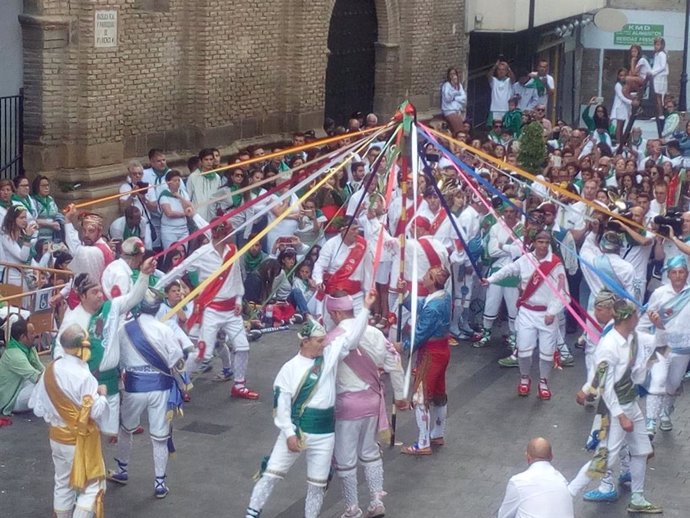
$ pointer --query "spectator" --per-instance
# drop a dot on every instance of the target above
(131, 225)
(539, 492)
(175, 208)
(20, 367)
(202, 184)
(501, 79)
(543, 82)
(453, 100)
(48, 217)
(659, 74)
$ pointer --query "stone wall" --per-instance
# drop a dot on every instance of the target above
(193, 73)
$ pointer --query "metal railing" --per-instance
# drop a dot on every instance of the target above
(11, 136)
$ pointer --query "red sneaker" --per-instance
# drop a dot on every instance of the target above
(243, 393)
(524, 386)
(139, 430)
(543, 393)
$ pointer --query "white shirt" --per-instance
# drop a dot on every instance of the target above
(501, 91)
(76, 381)
(412, 248)
(382, 353)
(201, 188)
(333, 255)
(452, 99)
(161, 338)
(117, 279)
(206, 260)
(538, 492)
(174, 325)
(543, 295)
(291, 374)
(117, 231)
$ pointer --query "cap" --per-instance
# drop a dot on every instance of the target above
(311, 329)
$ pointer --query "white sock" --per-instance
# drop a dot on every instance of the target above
(241, 361)
(314, 501)
(160, 456)
(349, 480)
(438, 416)
(654, 404)
(422, 416)
(124, 446)
(262, 490)
(638, 468)
(373, 472)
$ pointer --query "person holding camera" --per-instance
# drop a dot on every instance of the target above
(501, 79)
(674, 238)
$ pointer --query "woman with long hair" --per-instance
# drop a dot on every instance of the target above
(15, 241)
(6, 191)
(453, 100)
(659, 75)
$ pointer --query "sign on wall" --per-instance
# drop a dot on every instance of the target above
(105, 29)
(638, 34)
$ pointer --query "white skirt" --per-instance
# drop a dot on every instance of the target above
(661, 85)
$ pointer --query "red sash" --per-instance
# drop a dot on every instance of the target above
(108, 255)
(536, 280)
(434, 261)
(400, 227)
(209, 293)
(340, 279)
(438, 221)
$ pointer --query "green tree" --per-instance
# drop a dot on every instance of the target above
(532, 155)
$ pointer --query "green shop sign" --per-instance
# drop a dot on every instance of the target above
(638, 33)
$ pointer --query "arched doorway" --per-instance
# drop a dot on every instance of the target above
(350, 75)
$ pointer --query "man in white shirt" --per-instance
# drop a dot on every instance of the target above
(540, 491)
(501, 79)
(202, 185)
(543, 82)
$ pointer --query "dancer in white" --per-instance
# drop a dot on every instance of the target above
(70, 400)
(304, 399)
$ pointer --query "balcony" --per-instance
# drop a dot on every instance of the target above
(513, 15)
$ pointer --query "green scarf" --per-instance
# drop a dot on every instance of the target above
(131, 232)
(16, 344)
(46, 203)
(6, 204)
(24, 201)
(160, 175)
(251, 262)
(109, 378)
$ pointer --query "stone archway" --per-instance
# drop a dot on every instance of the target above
(362, 66)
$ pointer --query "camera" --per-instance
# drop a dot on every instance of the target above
(142, 185)
(672, 219)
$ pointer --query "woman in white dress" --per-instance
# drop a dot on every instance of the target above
(172, 203)
(659, 74)
(622, 105)
(15, 242)
(453, 100)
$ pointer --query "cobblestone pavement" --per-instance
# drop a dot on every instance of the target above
(220, 443)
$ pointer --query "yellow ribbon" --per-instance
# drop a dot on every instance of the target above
(268, 228)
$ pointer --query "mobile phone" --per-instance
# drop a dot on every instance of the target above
(556, 161)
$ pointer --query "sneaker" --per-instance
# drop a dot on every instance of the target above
(567, 361)
(352, 512)
(484, 340)
(226, 375)
(119, 477)
(138, 430)
(641, 506)
(205, 367)
(665, 424)
(511, 341)
(650, 425)
(509, 361)
(161, 489)
(254, 334)
(376, 511)
(470, 336)
(543, 392)
(592, 441)
(437, 441)
(452, 341)
(243, 393)
(296, 319)
(598, 496)
(415, 450)
(524, 386)
(625, 478)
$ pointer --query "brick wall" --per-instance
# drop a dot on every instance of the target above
(188, 73)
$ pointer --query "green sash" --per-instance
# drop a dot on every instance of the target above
(111, 377)
(311, 420)
(508, 282)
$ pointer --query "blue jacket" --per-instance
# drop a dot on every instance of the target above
(433, 319)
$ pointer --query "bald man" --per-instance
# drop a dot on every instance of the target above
(540, 491)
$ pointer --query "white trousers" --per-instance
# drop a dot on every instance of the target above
(678, 365)
(494, 295)
(356, 439)
(170, 235)
(214, 321)
(532, 329)
(155, 403)
(21, 404)
(64, 497)
(110, 425)
(319, 451)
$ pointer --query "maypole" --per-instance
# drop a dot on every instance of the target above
(406, 116)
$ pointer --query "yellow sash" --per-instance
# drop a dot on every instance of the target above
(81, 432)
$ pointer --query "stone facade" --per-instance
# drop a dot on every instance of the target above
(193, 73)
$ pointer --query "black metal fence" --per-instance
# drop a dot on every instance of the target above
(11, 136)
